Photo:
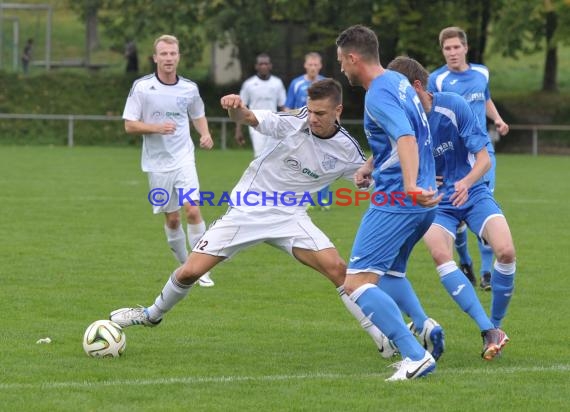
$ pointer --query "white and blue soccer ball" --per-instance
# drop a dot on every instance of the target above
(104, 339)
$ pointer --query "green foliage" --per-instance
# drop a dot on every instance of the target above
(125, 20)
(519, 26)
(246, 23)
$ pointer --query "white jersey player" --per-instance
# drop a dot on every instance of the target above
(307, 150)
(160, 107)
(263, 91)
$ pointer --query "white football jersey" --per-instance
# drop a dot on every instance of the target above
(260, 94)
(294, 164)
(152, 101)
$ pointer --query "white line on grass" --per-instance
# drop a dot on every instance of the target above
(269, 378)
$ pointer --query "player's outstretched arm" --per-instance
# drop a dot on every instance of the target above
(237, 110)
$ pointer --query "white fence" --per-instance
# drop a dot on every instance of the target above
(72, 118)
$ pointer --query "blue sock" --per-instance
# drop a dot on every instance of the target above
(461, 246)
(401, 291)
(486, 258)
(384, 313)
(463, 293)
(502, 287)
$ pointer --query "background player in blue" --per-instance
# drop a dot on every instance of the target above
(297, 98)
(297, 91)
(472, 82)
(402, 166)
(461, 159)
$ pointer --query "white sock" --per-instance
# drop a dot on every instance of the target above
(195, 232)
(172, 293)
(177, 241)
(366, 324)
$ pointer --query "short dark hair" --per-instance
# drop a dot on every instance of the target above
(360, 39)
(262, 56)
(326, 89)
(410, 68)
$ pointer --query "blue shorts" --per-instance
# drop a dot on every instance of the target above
(385, 240)
(479, 208)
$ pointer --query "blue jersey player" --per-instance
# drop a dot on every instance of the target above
(472, 82)
(403, 169)
(461, 159)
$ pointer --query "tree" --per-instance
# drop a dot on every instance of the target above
(528, 27)
(88, 10)
(125, 20)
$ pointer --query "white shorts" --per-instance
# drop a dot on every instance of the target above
(165, 188)
(238, 230)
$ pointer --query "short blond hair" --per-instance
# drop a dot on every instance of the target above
(313, 55)
(167, 38)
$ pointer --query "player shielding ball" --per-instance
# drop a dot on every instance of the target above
(297, 143)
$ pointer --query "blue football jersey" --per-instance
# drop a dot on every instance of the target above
(472, 84)
(297, 92)
(457, 136)
(392, 109)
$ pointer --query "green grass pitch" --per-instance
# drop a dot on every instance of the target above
(78, 240)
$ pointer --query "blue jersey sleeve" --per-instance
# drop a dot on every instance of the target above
(290, 101)
(473, 136)
(385, 109)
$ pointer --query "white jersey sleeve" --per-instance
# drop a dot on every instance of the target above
(272, 124)
(282, 97)
(196, 108)
(133, 106)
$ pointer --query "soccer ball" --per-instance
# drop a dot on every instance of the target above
(104, 339)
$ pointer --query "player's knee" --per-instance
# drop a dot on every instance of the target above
(193, 215)
(173, 222)
(351, 283)
(440, 256)
(505, 253)
(336, 272)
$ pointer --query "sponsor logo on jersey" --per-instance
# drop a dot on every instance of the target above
(309, 172)
(329, 162)
(453, 82)
(475, 96)
(442, 148)
(182, 102)
(293, 163)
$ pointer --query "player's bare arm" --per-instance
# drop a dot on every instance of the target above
(493, 114)
(138, 127)
(409, 162)
(201, 125)
(237, 110)
(481, 166)
(363, 176)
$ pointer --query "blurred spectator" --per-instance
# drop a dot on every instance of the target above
(132, 57)
(27, 55)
